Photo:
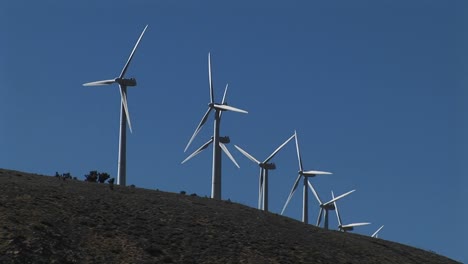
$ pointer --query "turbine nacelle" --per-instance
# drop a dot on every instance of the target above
(126, 82)
(345, 228)
(267, 166)
(330, 206)
(350, 227)
(224, 140)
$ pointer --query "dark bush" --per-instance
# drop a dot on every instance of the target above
(92, 176)
(63, 176)
(103, 177)
(95, 176)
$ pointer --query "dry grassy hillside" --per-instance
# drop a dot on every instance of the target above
(48, 220)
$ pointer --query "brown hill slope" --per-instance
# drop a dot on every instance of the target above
(48, 220)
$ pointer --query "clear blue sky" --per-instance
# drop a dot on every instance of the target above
(376, 91)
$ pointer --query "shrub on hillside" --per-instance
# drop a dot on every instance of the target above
(92, 176)
(95, 176)
(63, 176)
(103, 177)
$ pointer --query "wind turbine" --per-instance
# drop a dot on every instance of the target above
(376, 233)
(327, 206)
(218, 142)
(265, 166)
(124, 114)
(348, 227)
(305, 175)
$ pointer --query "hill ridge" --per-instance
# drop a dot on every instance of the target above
(45, 219)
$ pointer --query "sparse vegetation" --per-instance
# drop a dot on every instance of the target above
(95, 176)
(64, 176)
(86, 223)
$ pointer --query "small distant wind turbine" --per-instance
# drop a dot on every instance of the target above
(325, 207)
(218, 142)
(265, 166)
(124, 114)
(376, 233)
(348, 227)
(306, 175)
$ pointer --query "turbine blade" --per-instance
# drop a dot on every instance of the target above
(337, 212)
(100, 83)
(199, 127)
(298, 153)
(339, 197)
(210, 79)
(224, 95)
(278, 149)
(200, 149)
(313, 172)
(123, 97)
(229, 108)
(250, 157)
(355, 224)
(124, 70)
(225, 149)
(376, 232)
(319, 218)
(291, 193)
(315, 193)
(224, 100)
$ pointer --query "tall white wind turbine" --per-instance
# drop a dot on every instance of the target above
(305, 175)
(218, 142)
(347, 227)
(124, 114)
(265, 166)
(327, 206)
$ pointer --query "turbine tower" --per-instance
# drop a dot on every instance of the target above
(348, 227)
(327, 206)
(124, 114)
(265, 166)
(218, 142)
(305, 175)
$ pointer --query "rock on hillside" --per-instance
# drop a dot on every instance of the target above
(48, 220)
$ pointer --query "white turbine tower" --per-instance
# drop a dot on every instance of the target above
(376, 233)
(327, 206)
(347, 227)
(306, 175)
(265, 166)
(124, 114)
(218, 142)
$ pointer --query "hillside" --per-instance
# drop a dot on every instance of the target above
(48, 220)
